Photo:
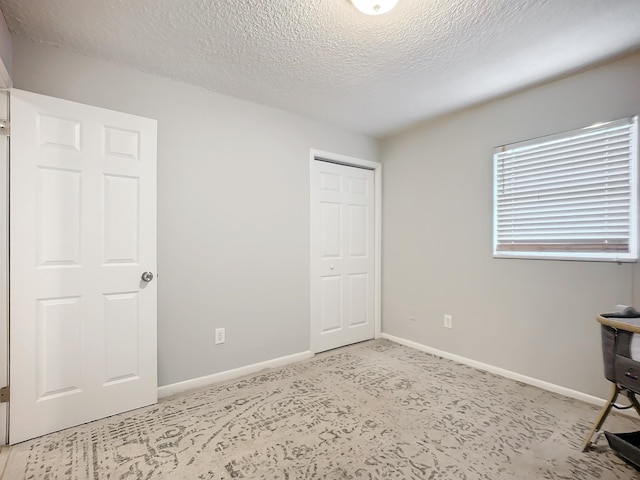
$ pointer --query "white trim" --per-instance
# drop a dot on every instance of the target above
(199, 382)
(5, 83)
(344, 159)
(4, 272)
(378, 250)
(551, 387)
(377, 175)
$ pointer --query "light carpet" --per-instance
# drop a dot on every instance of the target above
(375, 410)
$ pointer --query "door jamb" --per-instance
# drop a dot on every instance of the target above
(319, 155)
(4, 272)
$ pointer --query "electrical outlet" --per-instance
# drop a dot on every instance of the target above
(219, 336)
(448, 321)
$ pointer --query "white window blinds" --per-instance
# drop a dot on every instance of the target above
(570, 196)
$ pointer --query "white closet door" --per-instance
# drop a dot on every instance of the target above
(342, 255)
(82, 232)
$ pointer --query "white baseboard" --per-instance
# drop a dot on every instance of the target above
(199, 382)
(567, 392)
(179, 387)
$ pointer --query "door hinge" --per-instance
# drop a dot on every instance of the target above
(4, 394)
(5, 128)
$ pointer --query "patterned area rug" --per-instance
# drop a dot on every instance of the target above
(375, 410)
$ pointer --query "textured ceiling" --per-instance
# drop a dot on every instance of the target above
(324, 59)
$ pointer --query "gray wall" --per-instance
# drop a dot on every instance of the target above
(233, 223)
(533, 317)
(233, 208)
(5, 47)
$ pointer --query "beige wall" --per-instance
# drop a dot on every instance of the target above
(533, 317)
(233, 208)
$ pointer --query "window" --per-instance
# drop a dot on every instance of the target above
(570, 196)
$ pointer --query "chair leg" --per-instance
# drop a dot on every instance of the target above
(634, 401)
(603, 415)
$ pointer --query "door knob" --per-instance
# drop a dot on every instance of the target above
(147, 276)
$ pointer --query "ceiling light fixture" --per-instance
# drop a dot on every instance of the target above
(374, 7)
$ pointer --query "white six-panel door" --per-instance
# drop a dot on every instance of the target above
(342, 255)
(82, 232)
